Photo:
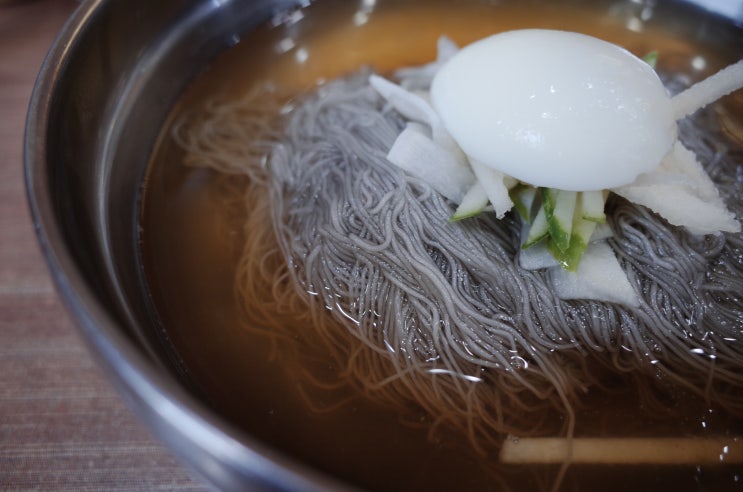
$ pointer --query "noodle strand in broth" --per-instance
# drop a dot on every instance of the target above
(426, 315)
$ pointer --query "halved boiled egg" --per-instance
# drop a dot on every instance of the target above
(556, 109)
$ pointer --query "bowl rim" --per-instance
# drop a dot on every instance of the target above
(228, 456)
(219, 453)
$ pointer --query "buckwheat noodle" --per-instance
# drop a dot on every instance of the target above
(348, 259)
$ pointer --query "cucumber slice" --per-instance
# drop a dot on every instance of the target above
(651, 58)
(493, 182)
(593, 203)
(523, 197)
(582, 230)
(474, 202)
(559, 206)
(539, 229)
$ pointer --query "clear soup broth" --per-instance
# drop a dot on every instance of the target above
(193, 235)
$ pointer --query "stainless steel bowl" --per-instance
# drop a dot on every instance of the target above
(103, 93)
(102, 96)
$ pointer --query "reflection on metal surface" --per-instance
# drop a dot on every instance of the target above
(698, 63)
(634, 24)
(285, 45)
(361, 16)
(732, 9)
(301, 55)
(635, 13)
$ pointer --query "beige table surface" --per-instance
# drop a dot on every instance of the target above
(62, 426)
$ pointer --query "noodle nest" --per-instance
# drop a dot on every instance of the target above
(347, 259)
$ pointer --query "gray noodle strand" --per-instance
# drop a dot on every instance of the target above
(349, 260)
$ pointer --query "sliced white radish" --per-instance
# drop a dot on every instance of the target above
(692, 202)
(407, 103)
(445, 172)
(536, 257)
(495, 187)
(599, 277)
(708, 90)
(683, 161)
(681, 208)
(417, 78)
(414, 107)
(602, 231)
